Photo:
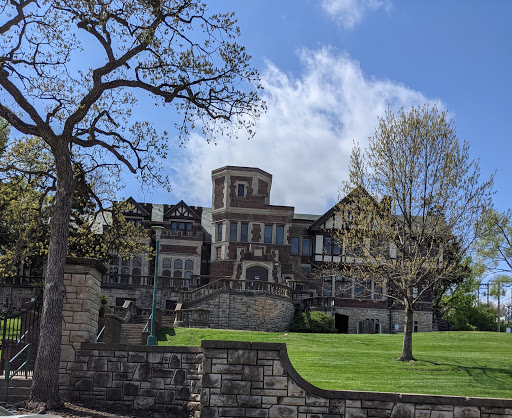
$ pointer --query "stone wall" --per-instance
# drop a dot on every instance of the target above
(386, 317)
(137, 377)
(143, 295)
(248, 311)
(242, 379)
(13, 296)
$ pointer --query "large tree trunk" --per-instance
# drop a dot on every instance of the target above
(408, 329)
(45, 389)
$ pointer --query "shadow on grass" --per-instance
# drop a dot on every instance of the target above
(165, 333)
(480, 374)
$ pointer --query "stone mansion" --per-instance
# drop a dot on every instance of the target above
(246, 241)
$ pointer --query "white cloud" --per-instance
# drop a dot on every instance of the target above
(305, 138)
(351, 12)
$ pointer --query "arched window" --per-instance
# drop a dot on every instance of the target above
(177, 273)
(166, 273)
(178, 265)
(137, 262)
(125, 275)
(136, 272)
(166, 264)
(189, 265)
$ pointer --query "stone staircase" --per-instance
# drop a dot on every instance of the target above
(19, 389)
(132, 333)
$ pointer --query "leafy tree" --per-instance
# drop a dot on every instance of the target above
(25, 206)
(416, 236)
(70, 71)
(494, 244)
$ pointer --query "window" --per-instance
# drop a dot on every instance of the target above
(174, 228)
(295, 246)
(178, 264)
(136, 272)
(377, 291)
(358, 291)
(125, 262)
(268, 234)
(137, 262)
(415, 326)
(219, 252)
(279, 234)
(189, 265)
(306, 246)
(244, 232)
(189, 226)
(166, 264)
(241, 190)
(414, 292)
(166, 273)
(125, 275)
(331, 247)
(358, 247)
(177, 273)
(219, 232)
(233, 232)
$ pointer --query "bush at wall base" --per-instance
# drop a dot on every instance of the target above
(315, 321)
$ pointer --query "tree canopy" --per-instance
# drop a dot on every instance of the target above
(494, 244)
(413, 197)
(72, 73)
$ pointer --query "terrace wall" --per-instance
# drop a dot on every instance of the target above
(242, 379)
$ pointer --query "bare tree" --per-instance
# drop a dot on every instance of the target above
(70, 73)
(408, 219)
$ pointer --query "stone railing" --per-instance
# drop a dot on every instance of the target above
(127, 281)
(253, 286)
(191, 318)
(21, 280)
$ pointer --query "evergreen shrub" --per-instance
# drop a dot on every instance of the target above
(314, 322)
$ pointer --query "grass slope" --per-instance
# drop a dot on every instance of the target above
(477, 364)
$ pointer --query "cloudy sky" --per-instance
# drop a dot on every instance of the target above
(331, 67)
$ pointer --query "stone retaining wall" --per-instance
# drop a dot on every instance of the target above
(247, 311)
(137, 377)
(242, 379)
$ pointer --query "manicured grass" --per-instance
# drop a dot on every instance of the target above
(448, 363)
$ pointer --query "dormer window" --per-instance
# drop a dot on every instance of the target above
(241, 190)
(181, 226)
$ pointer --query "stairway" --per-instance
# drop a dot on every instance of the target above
(131, 333)
(19, 389)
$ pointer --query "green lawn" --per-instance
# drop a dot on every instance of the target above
(448, 363)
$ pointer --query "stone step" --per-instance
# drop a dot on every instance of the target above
(19, 389)
(131, 333)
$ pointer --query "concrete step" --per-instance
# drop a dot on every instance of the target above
(19, 389)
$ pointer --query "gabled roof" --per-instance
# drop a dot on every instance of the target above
(330, 213)
(138, 207)
(182, 211)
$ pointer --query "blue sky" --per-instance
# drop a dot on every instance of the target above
(330, 67)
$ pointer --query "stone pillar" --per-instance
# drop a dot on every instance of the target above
(82, 279)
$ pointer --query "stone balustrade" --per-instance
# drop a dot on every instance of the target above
(253, 286)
